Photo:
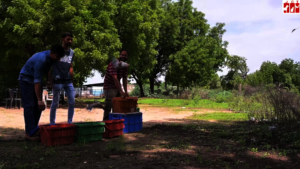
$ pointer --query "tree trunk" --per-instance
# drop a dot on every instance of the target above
(151, 79)
(141, 89)
(177, 90)
(166, 86)
(240, 88)
(139, 82)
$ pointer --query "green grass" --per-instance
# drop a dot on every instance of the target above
(221, 116)
(90, 100)
(200, 103)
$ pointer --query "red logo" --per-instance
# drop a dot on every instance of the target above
(290, 6)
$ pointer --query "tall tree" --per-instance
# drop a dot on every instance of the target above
(31, 26)
(198, 62)
(286, 74)
(180, 24)
(138, 28)
(255, 79)
(237, 74)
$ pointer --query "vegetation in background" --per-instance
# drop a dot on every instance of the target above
(195, 103)
(152, 31)
(221, 116)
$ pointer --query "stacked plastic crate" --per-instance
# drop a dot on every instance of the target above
(133, 121)
(89, 131)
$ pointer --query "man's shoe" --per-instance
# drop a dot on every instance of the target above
(37, 133)
(89, 107)
(101, 106)
(32, 138)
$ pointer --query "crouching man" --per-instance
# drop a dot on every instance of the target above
(30, 80)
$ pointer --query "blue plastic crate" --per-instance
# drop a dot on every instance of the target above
(138, 118)
(133, 121)
(138, 126)
(117, 116)
(129, 128)
(130, 118)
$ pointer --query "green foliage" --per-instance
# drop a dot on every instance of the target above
(284, 75)
(219, 116)
(151, 30)
(30, 26)
(220, 96)
(246, 104)
(136, 90)
(237, 73)
(198, 62)
(189, 52)
(215, 82)
(203, 103)
(255, 79)
(138, 22)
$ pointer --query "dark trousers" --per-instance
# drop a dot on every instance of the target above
(109, 95)
(30, 103)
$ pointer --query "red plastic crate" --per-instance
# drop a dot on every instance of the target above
(113, 128)
(111, 134)
(124, 105)
(59, 134)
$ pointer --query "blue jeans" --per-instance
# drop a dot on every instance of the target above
(31, 109)
(70, 91)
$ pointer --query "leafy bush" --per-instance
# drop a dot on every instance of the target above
(268, 104)
(286, 105)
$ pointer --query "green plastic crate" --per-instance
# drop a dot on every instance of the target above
(89, 131)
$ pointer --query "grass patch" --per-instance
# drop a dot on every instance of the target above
(89, 100)
(221, 116)
(199, 103)
(118, 145)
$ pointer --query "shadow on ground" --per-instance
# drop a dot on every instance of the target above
(170, 144)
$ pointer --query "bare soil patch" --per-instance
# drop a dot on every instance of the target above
(168, 140)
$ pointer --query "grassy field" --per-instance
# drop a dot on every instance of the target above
(201, 103)
(221, 116)
(89, 100)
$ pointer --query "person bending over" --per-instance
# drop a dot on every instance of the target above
(112, 87)
(30, 80)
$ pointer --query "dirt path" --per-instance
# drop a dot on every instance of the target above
(12, 120)
(168, 140)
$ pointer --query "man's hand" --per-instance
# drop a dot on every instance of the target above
(123, 94)
(49, 85)
(42, 106)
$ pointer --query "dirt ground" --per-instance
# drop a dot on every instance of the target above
(13, 118)
(168, 140)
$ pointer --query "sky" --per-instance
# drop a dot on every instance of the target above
(256, 29)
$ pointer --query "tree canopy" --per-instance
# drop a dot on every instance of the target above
(163, 38)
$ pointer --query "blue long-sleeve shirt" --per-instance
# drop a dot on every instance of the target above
(35, 67)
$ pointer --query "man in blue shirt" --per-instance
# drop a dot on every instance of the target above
(30, 79)
(62, 78)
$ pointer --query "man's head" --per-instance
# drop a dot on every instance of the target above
(56, 52)
(67, 39)
(123, 55)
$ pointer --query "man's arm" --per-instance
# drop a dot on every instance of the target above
(71, 72)
(125, 82)
(37, 84)
(38, 91)
(117, 83)
(125, 86)
(49, 80)
(49, 76)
